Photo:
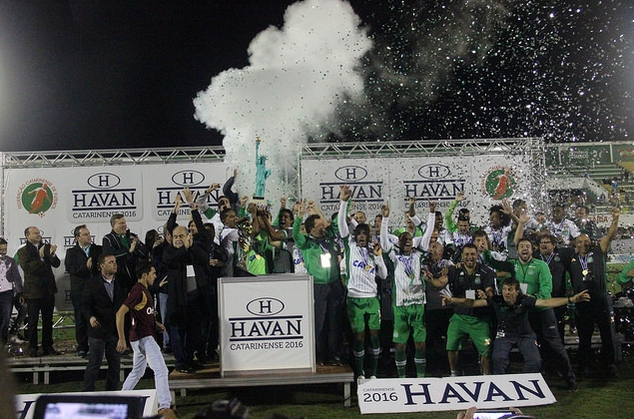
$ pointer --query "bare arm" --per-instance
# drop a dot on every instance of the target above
(583, 296)
(463, 302)
(607, 239)
(121, 344)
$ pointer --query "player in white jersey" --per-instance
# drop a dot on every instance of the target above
(363, 263)
(408, 291)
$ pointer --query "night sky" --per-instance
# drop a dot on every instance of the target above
(88, 74)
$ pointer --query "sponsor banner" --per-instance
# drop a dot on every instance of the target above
(57, 199)
(395, 395)
(25, 403)
(485, 180)
(266, 323)
(166, 185)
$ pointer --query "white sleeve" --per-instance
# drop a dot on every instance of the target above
(341, 219)
(381, 269)
(386, 245)
(424, 240)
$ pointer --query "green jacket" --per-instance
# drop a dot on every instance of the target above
(535, 274)
(622, 277)
(312, 249)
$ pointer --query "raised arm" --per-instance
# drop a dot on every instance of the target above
(344, 194)
(431, 221)
(381, 268)
(583, 296)
(386, 245)
(607, 239)
(449, 221)
(464, 302)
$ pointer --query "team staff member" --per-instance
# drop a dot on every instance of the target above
(588, 271)
(470, 277)
(557, 259)
(511, 309)
(81, 264)
(321, 251)
(535, 279)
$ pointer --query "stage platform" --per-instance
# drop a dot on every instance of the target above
(210, 378)
(44, 365)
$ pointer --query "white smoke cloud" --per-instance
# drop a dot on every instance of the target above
(296, 78)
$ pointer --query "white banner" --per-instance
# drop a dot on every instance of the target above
(486, 180)
(266, 323)
(25, 403)
(56, 200)
(396, 395)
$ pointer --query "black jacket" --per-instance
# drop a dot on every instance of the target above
(96, 302)
(75, 263)
(39, 279)
(126, 261)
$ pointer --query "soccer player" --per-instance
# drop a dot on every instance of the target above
(408, 292)
(364, 263)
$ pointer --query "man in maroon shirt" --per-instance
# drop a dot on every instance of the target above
(146, 350)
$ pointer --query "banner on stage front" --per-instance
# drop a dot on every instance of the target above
(400, 395)
(266, 324)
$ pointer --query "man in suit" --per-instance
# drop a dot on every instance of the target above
(127, 248)
(37, 259)
(81, 264)
(103, 295)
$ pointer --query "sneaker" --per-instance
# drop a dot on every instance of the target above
(360, 380)
(372, 377)
(186, 369)
(16, 339)
(82, 354)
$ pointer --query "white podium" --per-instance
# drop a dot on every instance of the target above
(266, 325)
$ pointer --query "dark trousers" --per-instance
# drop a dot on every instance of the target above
(544, 324)
(526, 344)
(97, 349)
(328, 320)
(6, 308)
(81, 325)
(599, 312)
(436, 324)
(35, 306)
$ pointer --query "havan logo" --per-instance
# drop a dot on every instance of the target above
(104, 180)
(265, 306)
(351, 173)
(188, 178)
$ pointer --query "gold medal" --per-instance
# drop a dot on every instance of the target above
(368, 268)
(585, 272)
(411, 276)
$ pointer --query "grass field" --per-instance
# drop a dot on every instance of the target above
(596, 398)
